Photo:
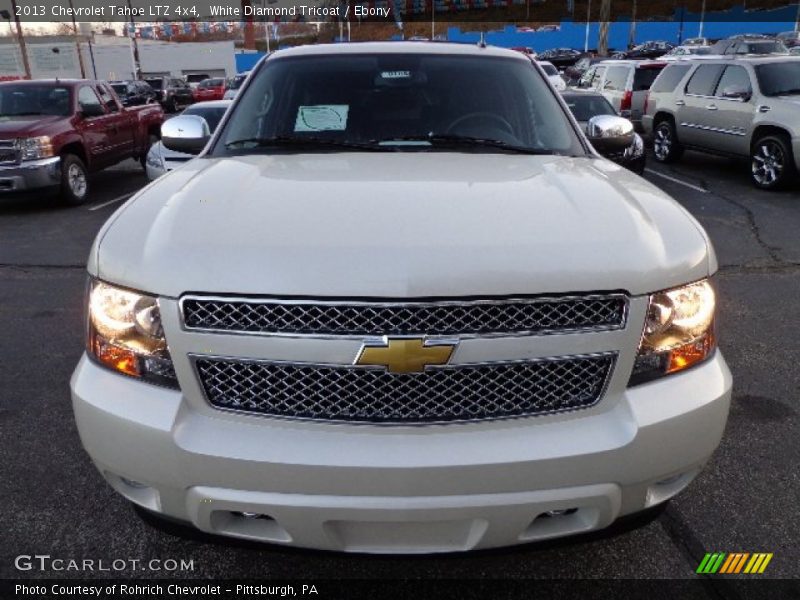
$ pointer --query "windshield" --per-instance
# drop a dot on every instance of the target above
(399, 101)
(20, 100)
(212, 115)
(779, 78)
(586, 106)
(120, 88)
(155, 83)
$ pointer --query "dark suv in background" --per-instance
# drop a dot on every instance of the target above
(172, 93)
(134, 93)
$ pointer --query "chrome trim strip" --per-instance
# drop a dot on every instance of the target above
(612, 354)
(466, 336)
(737, 132)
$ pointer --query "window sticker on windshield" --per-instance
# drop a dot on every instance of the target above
(396, 74)
(322, 117)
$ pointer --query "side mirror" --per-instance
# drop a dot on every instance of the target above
(609, 134)
(187, 133)
(92, 110)
(737, 92)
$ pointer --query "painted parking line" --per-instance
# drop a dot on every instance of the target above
(696, 188)
(112, 201)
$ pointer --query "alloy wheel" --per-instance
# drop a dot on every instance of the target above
(662, 144)
(768, 163)
(76, 179)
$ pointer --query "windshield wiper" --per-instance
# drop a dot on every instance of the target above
(23, 114)
(789, 92)
(303, 142)
(455, 141)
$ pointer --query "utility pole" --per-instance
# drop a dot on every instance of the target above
(605, 17)
(249, 32)
(632, 34)
(77, 41)
(23, 49)
(588, 21)
(137, 66)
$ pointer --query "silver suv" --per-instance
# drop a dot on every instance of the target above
(624, 83)
(747, 107)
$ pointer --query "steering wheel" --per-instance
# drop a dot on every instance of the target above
(486, 116)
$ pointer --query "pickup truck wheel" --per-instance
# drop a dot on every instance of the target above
(666, 148)
(74, 180)
(771, 162)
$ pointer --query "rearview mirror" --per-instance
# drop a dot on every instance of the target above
(187, 133)
(609, 134)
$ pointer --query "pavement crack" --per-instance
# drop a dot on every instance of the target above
(781, 267)
(32, 266)
(771, 251)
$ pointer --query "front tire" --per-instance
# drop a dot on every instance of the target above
(666, 148)
(771, 162)
(74, 180)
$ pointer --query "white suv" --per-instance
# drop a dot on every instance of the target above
(399, 304)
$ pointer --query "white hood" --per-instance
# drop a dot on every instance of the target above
(400, 225)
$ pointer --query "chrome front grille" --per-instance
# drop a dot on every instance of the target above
(9, 152)
(439, 394)
(461, 318)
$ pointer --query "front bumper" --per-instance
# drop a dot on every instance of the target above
(31, 175)
(435, 488)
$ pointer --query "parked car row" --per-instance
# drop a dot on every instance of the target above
(173, 93)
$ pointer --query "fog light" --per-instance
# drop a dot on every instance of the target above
(132, 483)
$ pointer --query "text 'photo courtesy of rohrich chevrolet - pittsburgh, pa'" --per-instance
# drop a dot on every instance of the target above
(348, 326)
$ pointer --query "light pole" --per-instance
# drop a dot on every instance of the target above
(137, 69)
(21, 38)
(703, 17)
(433, 19)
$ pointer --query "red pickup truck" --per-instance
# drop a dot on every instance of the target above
(54, 133)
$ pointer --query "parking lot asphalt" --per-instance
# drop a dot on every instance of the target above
(746, 500)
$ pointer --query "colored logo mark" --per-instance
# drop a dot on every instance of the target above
(734, 562)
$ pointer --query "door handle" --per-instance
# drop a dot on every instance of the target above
(711, 107)
(680, 103)
(764, 108)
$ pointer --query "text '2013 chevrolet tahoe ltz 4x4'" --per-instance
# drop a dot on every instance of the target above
(399, 304)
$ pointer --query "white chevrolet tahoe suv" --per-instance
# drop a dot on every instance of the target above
(398, 303)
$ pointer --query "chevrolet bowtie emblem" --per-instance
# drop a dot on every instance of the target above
(404, 355)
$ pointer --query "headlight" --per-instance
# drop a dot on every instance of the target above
(154, 159)
(636, 149)
(678, 332)
(36, 147)
(125, 334)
